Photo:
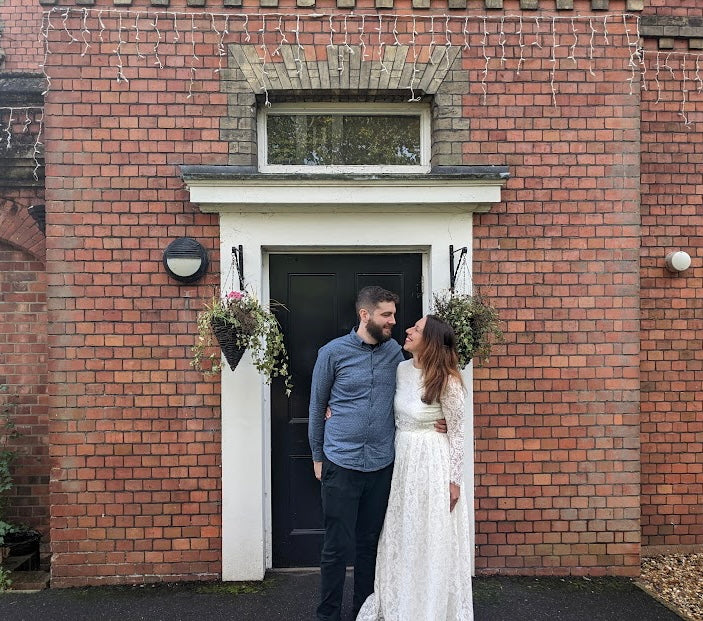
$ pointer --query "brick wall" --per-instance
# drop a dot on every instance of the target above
(20, 25)
(23, 358)
(557, 428)
(672, 309)
(135, 433)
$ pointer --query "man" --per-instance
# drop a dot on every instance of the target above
(352, 450)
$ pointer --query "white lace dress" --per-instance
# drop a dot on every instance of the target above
(423, 566)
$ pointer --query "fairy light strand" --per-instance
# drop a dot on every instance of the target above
(26, 124)
(85, 33)
(487, 59)
(137, 39)
(554, 62)
(281, 29)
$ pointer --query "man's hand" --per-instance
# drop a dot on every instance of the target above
(454, 492)
(440, 426)
(317, 469)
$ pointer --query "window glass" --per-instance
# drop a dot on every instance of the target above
(343, 139)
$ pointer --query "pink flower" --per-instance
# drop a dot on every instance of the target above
(235, 295)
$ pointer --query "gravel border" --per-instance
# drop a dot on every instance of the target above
(676, 581)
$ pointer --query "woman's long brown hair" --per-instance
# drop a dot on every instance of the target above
(438, 359)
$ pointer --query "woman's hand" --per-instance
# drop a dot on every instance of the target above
(440, 425)
(454, 493)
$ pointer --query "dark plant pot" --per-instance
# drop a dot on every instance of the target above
(24, 543)
(226, 335)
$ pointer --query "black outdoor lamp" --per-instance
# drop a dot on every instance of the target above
(185, 260)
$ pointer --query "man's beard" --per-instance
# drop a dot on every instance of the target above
(376, 332)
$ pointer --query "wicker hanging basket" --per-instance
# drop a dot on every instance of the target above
(226, 335)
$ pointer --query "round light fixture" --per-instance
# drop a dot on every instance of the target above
(678, 261)
(185, 260)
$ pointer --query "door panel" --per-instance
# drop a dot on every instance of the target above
(317, 293)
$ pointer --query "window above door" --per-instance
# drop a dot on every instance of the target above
(329, 138)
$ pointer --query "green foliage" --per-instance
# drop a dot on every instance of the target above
(5, 582)
(257, 330)
(7, 432)
(476, 324)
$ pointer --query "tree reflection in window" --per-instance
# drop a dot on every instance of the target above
(343, 140)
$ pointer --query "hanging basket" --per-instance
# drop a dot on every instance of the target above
(226, 335)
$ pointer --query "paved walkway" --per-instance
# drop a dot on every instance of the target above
(291, 596)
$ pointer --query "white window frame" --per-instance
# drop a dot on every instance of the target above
(362, 109)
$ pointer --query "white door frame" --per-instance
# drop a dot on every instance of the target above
(394, 219)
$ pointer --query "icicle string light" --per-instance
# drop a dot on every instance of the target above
(71, 38)
(120, 75)
(155, 26)
(262, 58)
(46, 26)
(194, 58)
(176, 33)
(298, 46)
(501, 41)
(447, 40)
(85, 33)
(381, 44)
(591, 47)
(432, 41)
(36, 153)
(683, 114)
(8, 128)
(484, 75)
(415, 70)
(537, 33)
(136, 38)
(14, 118)
(554, 63)
(572, 48)
(521, 43)
(420, 35)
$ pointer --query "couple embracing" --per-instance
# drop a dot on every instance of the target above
(387, 445)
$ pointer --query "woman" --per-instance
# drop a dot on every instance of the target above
(423, 566)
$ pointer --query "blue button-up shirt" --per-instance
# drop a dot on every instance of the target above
(357, 380)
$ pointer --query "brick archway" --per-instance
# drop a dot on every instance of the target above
(23, 360)
(18, 228)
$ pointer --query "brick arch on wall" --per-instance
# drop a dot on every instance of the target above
(18, 228)
(23, 361)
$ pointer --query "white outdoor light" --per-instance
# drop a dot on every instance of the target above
(185, 260)
(678, 261)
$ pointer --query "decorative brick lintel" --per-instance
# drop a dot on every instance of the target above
(668, 29)
(456, 5)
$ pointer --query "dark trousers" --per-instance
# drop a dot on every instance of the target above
(354, 507)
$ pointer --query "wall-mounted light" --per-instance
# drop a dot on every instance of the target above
(678, 261)
(185, 260)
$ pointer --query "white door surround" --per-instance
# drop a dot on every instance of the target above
(280, 213)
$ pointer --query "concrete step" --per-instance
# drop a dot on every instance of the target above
(29, 580)
(14, 563)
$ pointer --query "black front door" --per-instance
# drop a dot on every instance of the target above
(318, 292)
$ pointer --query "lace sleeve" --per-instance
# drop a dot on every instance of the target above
(452, 402)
